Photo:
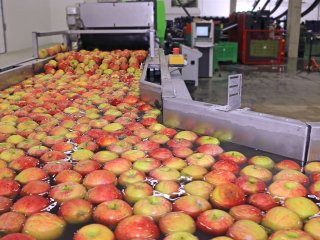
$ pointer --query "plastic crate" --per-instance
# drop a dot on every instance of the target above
(225, 52)
(264, 48)
(315, 48)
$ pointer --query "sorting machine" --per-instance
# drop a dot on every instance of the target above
(289, 138)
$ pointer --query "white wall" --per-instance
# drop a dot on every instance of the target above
(58, 13)
(219, 8)
(21, 18)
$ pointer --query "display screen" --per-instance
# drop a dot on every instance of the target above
(202, 31)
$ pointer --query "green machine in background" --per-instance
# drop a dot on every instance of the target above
(161, 20)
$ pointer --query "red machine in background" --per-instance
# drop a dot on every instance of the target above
(258, 41)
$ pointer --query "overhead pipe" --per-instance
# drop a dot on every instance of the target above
(265, 5)
(306, 12)
(255, 5)
(312, 6)
(278, 4)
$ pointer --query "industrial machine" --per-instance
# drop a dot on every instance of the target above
(258, 41)
(202, 35)
(286, 137)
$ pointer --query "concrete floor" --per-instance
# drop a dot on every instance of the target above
(282, 91)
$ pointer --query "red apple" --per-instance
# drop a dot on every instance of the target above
(179, 142)
(133, 155)
(136, 191)
(302, 206)
(227, 195)
(161, 154)
(181, 236)
(287, 189)
(217, 177)
(191, 205)
(9, 188)
(175, 163)
(23, 163)
(164, 173)
(207, 140)
(281, 218)
(182, 152)
(262, 201)
(94, 231)
(293, 175)
(31, 174)
(5, 204)
(246, 212)
(226, 165)
(188, 135)
(312, 227)
(134, 227)
(214, 222)
(18, 236)
(250, 185)
(312, 167)
(53, 168)
(110, 213)
(147, 146)
(233, 156)
(67, 191)
(315, 177)
(194, 172)
(201, 159)
(199, 188)
(159, 138)
(153, 206)
(11, 154)
(68, 176)
(262, 161)
(11, 222)
(44, 226)
(287, 164)
(290, 234)
(86, 167)
(76, 211)
(168, 188)
(29, 205)
(257, 172)
(315, 189)
(246, 229)
(210, 149)
(99, 177)
(176, 222)
(131, 176)
(52, 156)
(146, 164)
(35, 188)
(38, 151)
(63, 147)
(117, 166)
(119, 147)
(170, 132)
(103, 193)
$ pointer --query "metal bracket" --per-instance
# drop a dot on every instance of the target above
(234, 93)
